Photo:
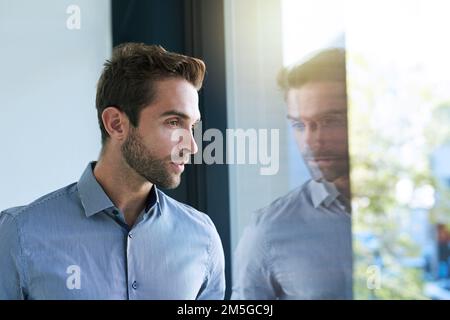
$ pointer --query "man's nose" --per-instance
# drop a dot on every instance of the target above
(193, 144)
(187, 142)
(314, 136)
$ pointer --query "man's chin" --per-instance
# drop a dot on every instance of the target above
(326, 174)
(172, 184)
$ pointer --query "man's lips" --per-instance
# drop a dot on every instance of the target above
(180, 162)
(178, 166)
(324, 160)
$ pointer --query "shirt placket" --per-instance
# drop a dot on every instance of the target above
(133, 274)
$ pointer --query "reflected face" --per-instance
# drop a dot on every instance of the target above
(318, 114)
(149, 148)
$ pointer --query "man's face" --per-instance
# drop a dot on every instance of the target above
(150, 147)
(318, 113)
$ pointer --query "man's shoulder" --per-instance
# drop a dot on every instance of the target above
(284, 206)
(43, 204)
(184, 212)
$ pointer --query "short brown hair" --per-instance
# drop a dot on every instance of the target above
(326, 65)
(128, 78)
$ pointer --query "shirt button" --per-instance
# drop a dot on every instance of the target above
(115, 212)
(130, 235)
(134, 285)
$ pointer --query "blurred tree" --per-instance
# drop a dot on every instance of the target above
(394, 127)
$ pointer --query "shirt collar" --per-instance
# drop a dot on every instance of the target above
(152, 199)
(94, 199)
(322, 192)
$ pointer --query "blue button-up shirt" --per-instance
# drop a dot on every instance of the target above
(74, 244)
(298, 247)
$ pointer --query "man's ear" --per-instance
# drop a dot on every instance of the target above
(116, 123)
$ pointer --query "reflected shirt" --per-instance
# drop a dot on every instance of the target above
(74, 244)
(298, 247)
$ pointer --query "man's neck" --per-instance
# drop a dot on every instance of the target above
(126, 189)
(342, 184)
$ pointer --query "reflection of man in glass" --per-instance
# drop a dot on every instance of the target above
(299, 247)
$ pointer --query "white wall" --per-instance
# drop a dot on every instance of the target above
(48, 78)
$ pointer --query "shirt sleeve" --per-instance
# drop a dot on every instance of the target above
(252, 276)
(10, 262)
(214, 286)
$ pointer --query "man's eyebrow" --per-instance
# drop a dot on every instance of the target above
(325, 114)
(182, 115)
(335, 112)
(292, 118)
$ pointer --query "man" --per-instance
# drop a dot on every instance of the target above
(299, 247)
(114, 234)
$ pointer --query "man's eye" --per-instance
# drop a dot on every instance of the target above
(174, 123)
(297, 125)
(333, 122)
